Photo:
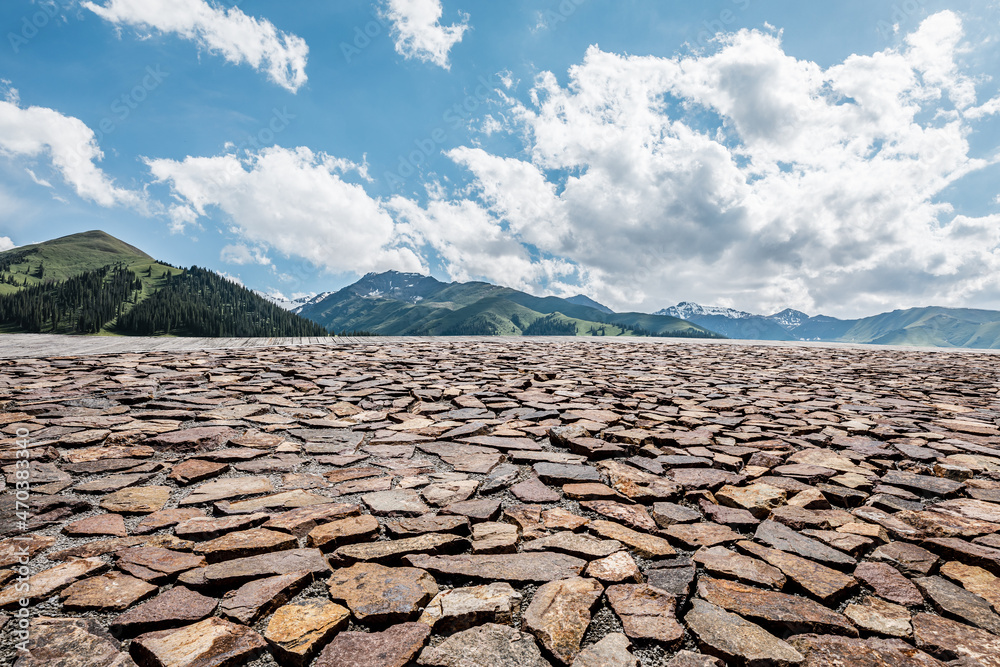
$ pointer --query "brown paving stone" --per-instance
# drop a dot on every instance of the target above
(256, 599)
(297, 632)
(71, 642)
(393, 647)
(213, 642)
(112, 591)
(173, 608)
(378, 594)
(646, 612)
(559, 615)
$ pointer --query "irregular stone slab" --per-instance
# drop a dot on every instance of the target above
(690, 659)
(784, 538)
(673, 575)
(561, 473)
(494, 538)
(574, 544)
(443, 493)
(165, 519)
(558, 518)
(137, 500)
(922, 483)
(192, 439)
(876, 615)
(196, 470)
(793, 613)
(823, 583)
(102, 524)
(285, 499)
(428, 524)
(532, 567)
(394, 647)
(611, 651)
(27, 545)
(953, 548)
(823, 650)
(399, 502)
(646, 612)
(889, 583)
(500, 478)
(956, 601)
(736, 640)
(908, 558)
(238, 571)
(245, 543)
(213, 642)
(71, 642)
(222, 489)
(389, 550)
(157, 565)
(475, 510)
(488, 645)
(256, 599)
(722, 562)
(975, 580)
(617, 568)
(297, 631)
(210, 528)
(635, 516)
(666, 514)
(112, 591)
(377, 594)
(532, 490)
(461, 608)
(758, 499)
(970, 509)
(647, 546)
(559, 615)
(951, 640)
(48, 582)
(351, 530)
(706, 534)
(173, 608)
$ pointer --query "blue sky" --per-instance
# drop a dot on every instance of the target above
(834, 157)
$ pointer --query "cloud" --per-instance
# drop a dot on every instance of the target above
(241, 254)
(294, 201)
(746, 173)
(6, 243)
(67, 144)
(226, 31)
(418, 32)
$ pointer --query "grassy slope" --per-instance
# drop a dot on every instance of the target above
(71, 255)
(932, 326)
(446, 309)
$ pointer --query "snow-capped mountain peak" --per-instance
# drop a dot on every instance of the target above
(789, 318)
(686, 310)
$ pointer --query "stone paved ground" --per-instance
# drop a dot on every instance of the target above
(502, 503)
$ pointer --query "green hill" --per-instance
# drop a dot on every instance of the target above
(93, 283)
(406, 304)
(933, 326)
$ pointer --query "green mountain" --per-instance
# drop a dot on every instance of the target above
(93, 283)
(409, 304)
(933, 326)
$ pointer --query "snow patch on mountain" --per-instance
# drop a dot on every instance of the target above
(686, 310)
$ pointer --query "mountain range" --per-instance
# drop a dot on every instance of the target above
(94, 283)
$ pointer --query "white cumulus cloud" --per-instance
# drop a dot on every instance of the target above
(294, 201)
(240, 253)
(226, 31)
(6, 243)
(67, 144)
(748, 174)
(417, 29)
